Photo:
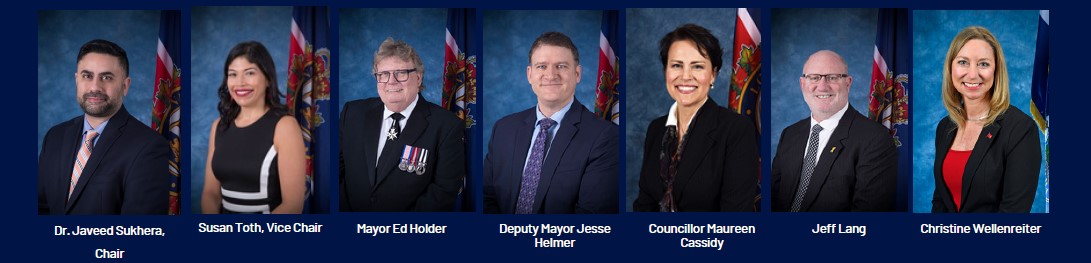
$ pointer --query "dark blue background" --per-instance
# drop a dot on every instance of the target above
(471, 236)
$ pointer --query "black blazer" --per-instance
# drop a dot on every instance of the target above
(430, 127)
(860, 174)
(719, 169)
(579, 174)
(1002, 172)
(126, 173)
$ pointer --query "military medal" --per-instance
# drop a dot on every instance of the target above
(404, 164)
(391, 134)
(422, 161)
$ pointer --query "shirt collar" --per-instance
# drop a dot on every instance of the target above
(672, 116)
(387, 112)
(557, 116)
(831, 122)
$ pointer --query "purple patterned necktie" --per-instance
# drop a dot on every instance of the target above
(533, 172)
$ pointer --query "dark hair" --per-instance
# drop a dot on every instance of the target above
(256, 53)
(105, 47)
(707, 44)
(554, 38)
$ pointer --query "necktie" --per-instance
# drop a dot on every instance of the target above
(808, 167)
(81, 159)
(396, 128)
(533, 171)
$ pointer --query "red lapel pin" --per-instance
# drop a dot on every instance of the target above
(990, 135)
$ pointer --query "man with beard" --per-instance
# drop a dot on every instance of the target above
(104, 161)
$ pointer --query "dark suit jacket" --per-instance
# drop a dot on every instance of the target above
(860, 174)
(429, 127)
(1002, 172)
(579, 174)
(126, 173)
(719, 166)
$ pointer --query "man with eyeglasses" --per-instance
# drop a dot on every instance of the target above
(836, 160)
(556, 157)
(400, 152)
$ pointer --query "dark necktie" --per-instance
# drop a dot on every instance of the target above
(808, 167)
(396, 128)
(533, 172)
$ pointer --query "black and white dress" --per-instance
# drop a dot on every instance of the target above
(245, 163)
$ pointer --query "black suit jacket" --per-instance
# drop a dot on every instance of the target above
(860, 174)
(429, 127)
(719, 169)
(126, 173)
(579, 174)
(1002, 172)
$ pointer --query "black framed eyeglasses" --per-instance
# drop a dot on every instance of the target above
(400, 75)
(815, 78)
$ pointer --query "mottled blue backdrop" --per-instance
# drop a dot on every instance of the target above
(215, 30)
(60, 35)
(507, 39)
(1017, 32)
(646, 95)
(798, 33)
(362, 30)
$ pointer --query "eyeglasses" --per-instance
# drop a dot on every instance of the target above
(815, 78)
(401, 75)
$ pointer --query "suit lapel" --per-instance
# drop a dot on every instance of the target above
(114, 130)
(373, 119)
(556, 150)
(795, 147)
(414, 127)
(523, 134)
(700, 140)
(828, 155)
(70, 143)
(941, 154)
(984, 141)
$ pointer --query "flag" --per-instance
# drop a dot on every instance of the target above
(1039, 91)
(166, 98)
(608, 83)
(460, 90)
(745, 94)
(744, 97)
(889, 89)
(308, 98)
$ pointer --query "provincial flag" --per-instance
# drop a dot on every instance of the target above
(890, 89)
(460, 90)
(308, 98)
(166, 98)
(744, 97)
(608, 81)
(1039, 92)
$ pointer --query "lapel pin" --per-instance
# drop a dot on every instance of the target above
(990, 135)
(832, 149)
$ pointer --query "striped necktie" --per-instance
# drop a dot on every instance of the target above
(81, 160)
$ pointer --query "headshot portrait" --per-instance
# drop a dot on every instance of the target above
(108, 112)
(408, 110)
(839, 135)
(547, 150)
(689, 148)
(980, 127)
(260, 104)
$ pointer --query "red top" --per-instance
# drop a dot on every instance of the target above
(953, 167)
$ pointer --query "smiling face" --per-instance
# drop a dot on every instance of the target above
(553, 74)
(397, 95)
(101, 84)
(689, 75)
(825, 97)
(972, 70)
(246, 83)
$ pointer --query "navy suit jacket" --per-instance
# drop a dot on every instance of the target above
(126, 173)
(579, 174)
(719, 169)
(858, 170)
(1002, 172)
(429, 127)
